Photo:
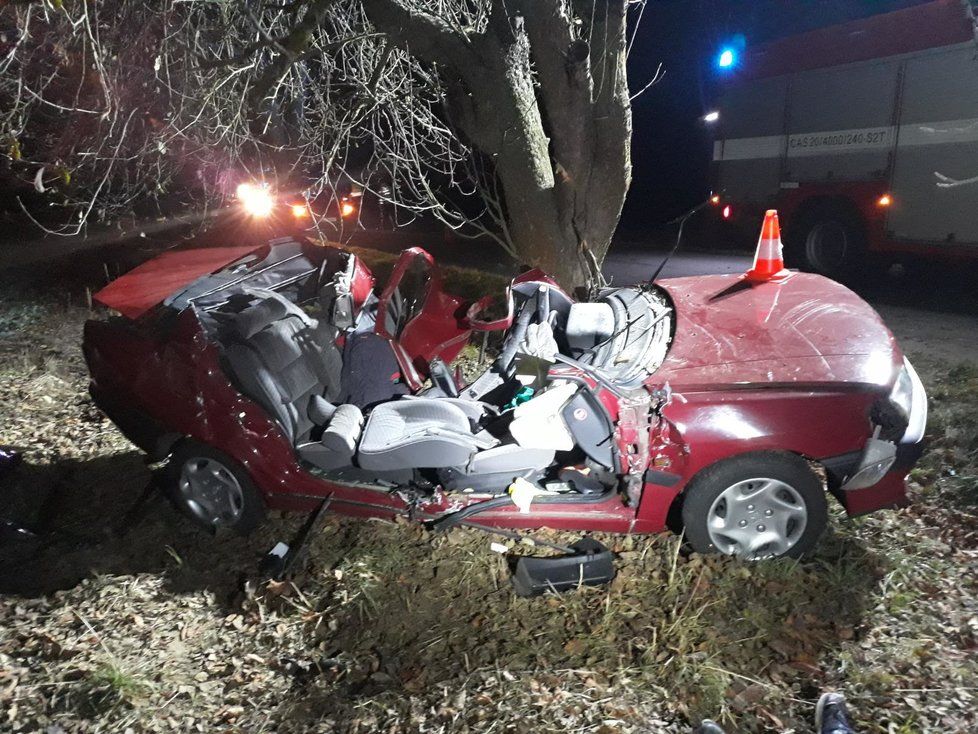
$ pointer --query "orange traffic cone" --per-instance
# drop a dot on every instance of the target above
(768, 261)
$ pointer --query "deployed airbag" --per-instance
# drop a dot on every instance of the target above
(589, 324)
(538, 424)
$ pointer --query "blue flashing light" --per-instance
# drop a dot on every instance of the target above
(727, 58)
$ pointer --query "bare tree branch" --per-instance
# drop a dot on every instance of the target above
(501, 118)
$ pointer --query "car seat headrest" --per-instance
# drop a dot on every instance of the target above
(256, 317)
(343, 431)
(320, 410)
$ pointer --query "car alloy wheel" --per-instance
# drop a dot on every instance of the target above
(757, 518)
(210, 491)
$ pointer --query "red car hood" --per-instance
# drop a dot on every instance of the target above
(142, 288)
(804, 329)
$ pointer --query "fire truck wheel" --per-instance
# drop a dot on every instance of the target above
(828, 239)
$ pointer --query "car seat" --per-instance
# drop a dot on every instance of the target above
(442, 433)
(281, 357)
(419, 432)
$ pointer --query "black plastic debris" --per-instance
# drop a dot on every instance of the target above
(591, 564)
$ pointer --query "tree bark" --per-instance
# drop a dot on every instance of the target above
(549, 108)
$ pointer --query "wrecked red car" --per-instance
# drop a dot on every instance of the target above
(278, 377)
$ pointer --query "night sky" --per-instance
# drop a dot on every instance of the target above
(671, 148)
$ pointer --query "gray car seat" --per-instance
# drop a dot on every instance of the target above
(493, 470)
(338, 444)
(421, 432)
(282, 359)
(434, 433)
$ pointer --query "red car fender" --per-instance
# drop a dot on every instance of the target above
(699, 429)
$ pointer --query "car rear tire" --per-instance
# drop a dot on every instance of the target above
(755, 506)
(829, 239)
(212, 489)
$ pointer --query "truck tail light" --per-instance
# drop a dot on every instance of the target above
(727, 212)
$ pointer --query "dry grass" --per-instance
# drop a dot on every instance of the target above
(391, 629)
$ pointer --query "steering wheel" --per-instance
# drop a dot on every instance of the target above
(532, 310)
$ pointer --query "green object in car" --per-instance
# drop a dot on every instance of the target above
(522, 395)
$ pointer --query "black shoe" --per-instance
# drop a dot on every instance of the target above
(831, 715)
(9, 460)
(708, 727)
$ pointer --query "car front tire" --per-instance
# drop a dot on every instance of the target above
(213, 489)
(755, 506)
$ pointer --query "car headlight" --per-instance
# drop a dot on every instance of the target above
(256, 199)
(892, 412)
(901, 396)
(878, 456)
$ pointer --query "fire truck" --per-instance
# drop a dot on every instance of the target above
(863, 135)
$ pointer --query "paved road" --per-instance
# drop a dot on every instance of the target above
(635, 265)
(25, 248)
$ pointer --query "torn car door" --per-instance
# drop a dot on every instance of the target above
(419, 319)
